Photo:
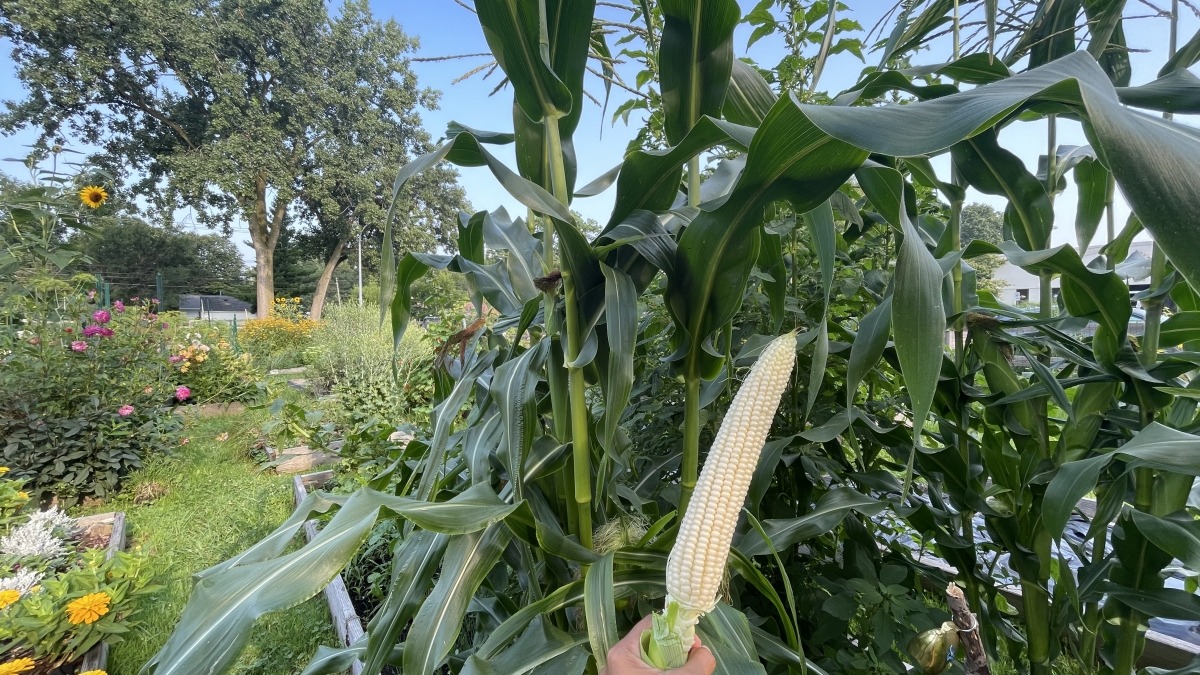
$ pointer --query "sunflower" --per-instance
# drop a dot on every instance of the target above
(88, 609)
(93, 196)
(16, 667)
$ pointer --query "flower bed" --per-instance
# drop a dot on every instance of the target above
(66, 587)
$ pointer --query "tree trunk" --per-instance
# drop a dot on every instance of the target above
(318, 303)
(265, 228)
(264, 280)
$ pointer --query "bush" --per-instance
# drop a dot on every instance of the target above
(353, 358)
(82, 401)
(208, 366)
(284, 331)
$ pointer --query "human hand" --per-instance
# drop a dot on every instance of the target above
(625, 657)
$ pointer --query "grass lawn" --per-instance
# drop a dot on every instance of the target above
(214, 504)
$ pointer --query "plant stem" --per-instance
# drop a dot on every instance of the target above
(691, 441)
(581, 450)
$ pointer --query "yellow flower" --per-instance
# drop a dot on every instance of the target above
(88, 609)
(23, 495)
(17, 667)
(93, 196)
(3, 470)
(184, 367)
(8, 597)
(94, 672)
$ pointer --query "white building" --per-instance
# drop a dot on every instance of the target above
(1022, 287)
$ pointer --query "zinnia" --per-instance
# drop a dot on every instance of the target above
(119, 306)
(17, 667)
(8, 597)
(88, 609)
(101, 316)
(125, 410)
(182, 393)
(92, 330)
(79, 346)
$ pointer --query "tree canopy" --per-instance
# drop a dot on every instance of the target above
(239, 110)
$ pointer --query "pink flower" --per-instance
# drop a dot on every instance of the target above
(166, 325)
(91, 331)
(125, 410)
(79, 346)
(106, 332)
(151, 317)
(91, 296)
(135, 299)
(35, 340)
(182, 393)
(175, 358)
(148, 390)
(101, 316)
(68, 329)
(119, 306)
(185, 441)
(154, 301)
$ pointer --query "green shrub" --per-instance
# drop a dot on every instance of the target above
(353, 358)
(82, 401)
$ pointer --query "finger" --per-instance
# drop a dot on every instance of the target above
(700, 662)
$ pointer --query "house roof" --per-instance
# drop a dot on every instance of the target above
(212, 303)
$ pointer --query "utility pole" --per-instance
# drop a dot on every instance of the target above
(360, 299)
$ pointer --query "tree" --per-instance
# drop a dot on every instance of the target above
(982, 222)
(129, 252)
(223, 106)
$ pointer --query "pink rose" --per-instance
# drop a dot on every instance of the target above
(125, 410)
(101, 316)
(183, 393)
(79, 346)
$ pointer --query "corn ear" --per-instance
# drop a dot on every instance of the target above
(697, 562)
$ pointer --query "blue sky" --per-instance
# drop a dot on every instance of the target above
(445, 28)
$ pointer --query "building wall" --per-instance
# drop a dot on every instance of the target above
(1021, 286)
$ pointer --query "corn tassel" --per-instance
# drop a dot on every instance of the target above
(697, 562)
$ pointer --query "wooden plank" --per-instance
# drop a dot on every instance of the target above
(97, 657)
(346, 623)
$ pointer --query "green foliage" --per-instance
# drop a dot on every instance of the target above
(205, 502)
(83, 397)
(279, 105)
(128, 252)
(536, 431)
(353, 358)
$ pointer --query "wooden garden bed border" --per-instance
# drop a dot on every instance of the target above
(346, 623)
(97, 657)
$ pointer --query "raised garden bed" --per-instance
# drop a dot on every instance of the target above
(346, 623)
(103, 530)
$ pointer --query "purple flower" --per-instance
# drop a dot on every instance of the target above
(125, 410)
(92, 331)
(79, 346)
(106, 332)
(175, 358)
(119, 306)
(183, 393)
(101, 316)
